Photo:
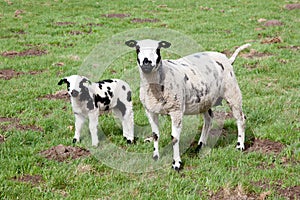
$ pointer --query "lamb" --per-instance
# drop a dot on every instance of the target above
(88, 99)
(190, 85)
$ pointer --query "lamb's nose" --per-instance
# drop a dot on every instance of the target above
(146, 61)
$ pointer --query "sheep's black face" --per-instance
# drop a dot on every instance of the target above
(75, 85)
(148, 53)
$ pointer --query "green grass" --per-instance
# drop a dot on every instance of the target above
(270, 91)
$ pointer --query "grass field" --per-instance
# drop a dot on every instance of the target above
(43, 41)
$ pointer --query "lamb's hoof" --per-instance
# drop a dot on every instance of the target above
(74, 140)
(131, 141)
(240, 146)
(199, 146)
(155, 158)
(177, 166)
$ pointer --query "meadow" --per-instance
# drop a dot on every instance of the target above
(43, 41)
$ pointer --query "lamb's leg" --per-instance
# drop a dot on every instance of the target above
(176, 118)
(207, 116)
(93, 126)
(153, 120)
(127, 123)
(79, 121)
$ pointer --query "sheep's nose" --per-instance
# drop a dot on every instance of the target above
(146, 61)
(74, 93)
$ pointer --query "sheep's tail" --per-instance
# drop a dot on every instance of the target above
(237, 51)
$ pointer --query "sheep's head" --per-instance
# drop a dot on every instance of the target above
(148, 53)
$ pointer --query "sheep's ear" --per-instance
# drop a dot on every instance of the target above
(131, 43)
(64, 80)
(164, 44)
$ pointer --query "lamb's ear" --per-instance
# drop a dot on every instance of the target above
(131, 43)
(64, 80)
(164, 44)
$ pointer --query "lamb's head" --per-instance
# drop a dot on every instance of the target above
(148, 53)
(76, 86)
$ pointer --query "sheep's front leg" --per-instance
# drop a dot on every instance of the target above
(153, 120)
(176, 130)
(93, 126)
(79, 121)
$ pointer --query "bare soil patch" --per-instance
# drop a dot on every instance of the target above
(64, 23)
(273, 22)
(2, 138)
(254, 54)
(8, 74)
(145, 20)
(28, 52)
(292, 47)
(292, 6)
(33, 179)
(233, 194)
(62, 94)
(15, 123)
(116, 15)
(272, 40)
(265, 146)
(292, 192)
(63, 153)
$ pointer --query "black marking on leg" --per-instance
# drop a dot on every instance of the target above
(155, 136)
(174, 140)
(173, 162)
(129, 96)
(199, 146)
(155, 157)
(154, 149)
(210, 112)
(129, 142)
(220, 64)
(231, 74)
(245, 117)
(121, 106)
(74, 140)
(239, 136)
(238, 144)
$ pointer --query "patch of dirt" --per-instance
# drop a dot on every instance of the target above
(64, 23)
(232, 194)
(265, 146)
(63, 153)
(33, 179)
(94, 24)
(28, 52)
(292, 192)
(116, 15)
(292, 47)
(273, 22)
(145, 20)
(292, 6)
(62, 94)
(76, 32)
(254, 54)
(2, 138)
(15, 123)
(272, 40)
(8, 74)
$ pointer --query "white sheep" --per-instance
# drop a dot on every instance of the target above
(190, 85)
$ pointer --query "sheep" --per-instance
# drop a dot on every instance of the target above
(88, 99)
(187, 86)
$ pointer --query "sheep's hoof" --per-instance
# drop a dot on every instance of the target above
(74, 140)
(240, 146)
(177, 166)
(199, 146)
